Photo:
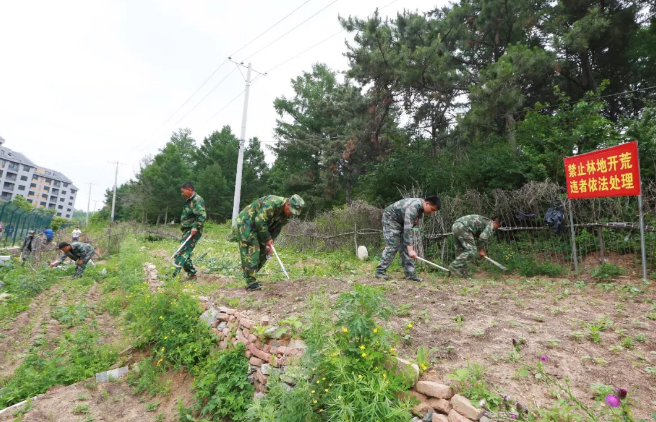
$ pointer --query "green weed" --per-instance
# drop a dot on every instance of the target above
(607, 271)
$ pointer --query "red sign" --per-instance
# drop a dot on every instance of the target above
(607, 172)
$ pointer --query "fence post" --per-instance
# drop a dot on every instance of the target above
(642, 240)
(600, 234)
(20, 218)
(355, 237)
(571, 225)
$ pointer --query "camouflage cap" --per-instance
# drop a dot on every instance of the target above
(30, 232)
(296, 204)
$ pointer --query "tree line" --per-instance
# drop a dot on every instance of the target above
(480, 94)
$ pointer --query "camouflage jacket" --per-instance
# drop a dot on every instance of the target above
(267, 217)
(405, 213)
(79, 250)
(193, 214)
(482, 228)
(29, 243)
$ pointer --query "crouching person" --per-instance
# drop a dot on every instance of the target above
(79, 252)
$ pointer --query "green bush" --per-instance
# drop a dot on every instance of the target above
(607, 271)
(349, 363)
(222, 387)
(529, 267)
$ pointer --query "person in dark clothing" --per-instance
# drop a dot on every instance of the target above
(29, 246)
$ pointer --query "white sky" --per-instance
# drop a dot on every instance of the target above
(85, 82)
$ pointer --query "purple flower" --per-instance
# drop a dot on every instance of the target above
(506, 398)
(513, 416)
(621, 393)
(612, 400)
(544, 358)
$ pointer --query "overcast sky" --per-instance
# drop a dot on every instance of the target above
(86, 82)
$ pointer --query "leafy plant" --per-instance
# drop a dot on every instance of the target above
(470, 382)
(607, 271)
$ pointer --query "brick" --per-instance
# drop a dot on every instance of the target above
(408, 369)
(245, 332)
(255, 361)
(421, 409)
(266, 348)
(457, 417)
(232, 318)
(434, 389)
(275, 350)
(241, 339)
(439, 418)
(246, 323)
(463, 406)
(248, 354)
(260, 376)
(252, 338)
(226, 331)
(441, 405)
(230, 311)
(259, 353)
(222, 316)
(265, 320)
(215, 323)
(297, 344)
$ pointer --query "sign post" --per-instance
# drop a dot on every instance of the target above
(604, 173)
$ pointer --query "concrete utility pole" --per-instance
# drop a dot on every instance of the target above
(242, 145)
(89, 203)
(115, 184)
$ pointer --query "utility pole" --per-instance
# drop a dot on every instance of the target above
(115, 184)
(242, 145)
(89, 203)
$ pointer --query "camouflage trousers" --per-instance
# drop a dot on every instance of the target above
(393, 234)
(26, 255)
(183, 258)
(79, 270)
(466, 250)
(251, 251)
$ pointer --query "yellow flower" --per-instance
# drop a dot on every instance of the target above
(162, 349)
(391, 349)
(315, 401)
(318, 381)
(384, 375)
(339, 397)
(312, 391)
(375, 330)
(161, 317)
(173, 331)
(344, 329)
(362, 347)
(326, 390)
(423, 366)
(320, 410)
(409, 325)
(359, 376)
(324, 378)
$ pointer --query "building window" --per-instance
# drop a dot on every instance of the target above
(68, 216)
(53, 199)
(31, 193)
(65, 184)
(63, 192)
(62, 199)
(24, 178)
(61, 207)
(73, 191)
(9, 186)
(56, 183)
(35, 177)
(1, 171)
(21, 187)
(70, 203)
(26, 168)
(48, 181)
(55, 191)
(46, 188)
(72, 197)
(29, 200)
(68, 209)
(51, 206)
(3, 162)
(58, 214)
(32, 185)
(11, 176)
(44, 195)
(13, 166)
(43, 204)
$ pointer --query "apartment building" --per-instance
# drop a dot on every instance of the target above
(42, 187)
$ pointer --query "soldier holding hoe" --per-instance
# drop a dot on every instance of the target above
(258, 225)
(79, 252)
(191, 223)
(398, 221)
(471, 234)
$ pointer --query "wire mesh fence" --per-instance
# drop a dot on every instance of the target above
(535, 227)
(15, 223)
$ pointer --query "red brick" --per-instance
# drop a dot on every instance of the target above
(231, 311)
(252, 338)
(255, 361)
(223, 317)
(264, 320)
(267, 348)
(245, 332)
(441, 405)
(421, 409)
(463, 406)
(248, 354)
(457, 417)
(434, 389)
(246, 323)
(439, 418)
(259, 353)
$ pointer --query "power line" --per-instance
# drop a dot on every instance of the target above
(294, 28)
(216, 70)
(224, 107)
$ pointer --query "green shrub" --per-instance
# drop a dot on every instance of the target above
(148, 378)
(529, 267)
(222, 387)
(350, 365)
(607, 271)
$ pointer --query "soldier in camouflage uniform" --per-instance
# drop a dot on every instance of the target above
(398, 221)
(470, 233)
(79, 252)
(191, 223)
(258, 225)
(29, 246)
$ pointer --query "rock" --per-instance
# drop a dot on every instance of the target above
(203, 298)
(264, 320)
(4, 296)
(439, 418)
(457, 417)
(271, 332)
(434, 389)
(246, 323)
(259, 353)
(251, 378)
(259, 395)
(266, 369)
(252, 338)
(221, 325)
(223, 317)
(408, 369)
(112, 375)
(429, 416)
(255, 361)
(485, 419)
(297, 344)
(248, 354)
(421, 409)
(463, 406)
(441, 405)
(363, 254)
(209, 316)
